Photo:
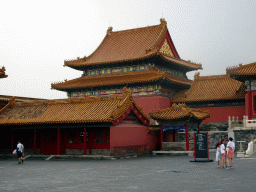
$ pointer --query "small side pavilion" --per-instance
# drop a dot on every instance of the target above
(179, 116)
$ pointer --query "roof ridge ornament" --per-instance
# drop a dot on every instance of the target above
(148, 50)
(12, 101)
(197, 75)
(163, 21)
(110, 30)
(127, 91)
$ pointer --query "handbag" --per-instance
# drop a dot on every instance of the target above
(14, 151)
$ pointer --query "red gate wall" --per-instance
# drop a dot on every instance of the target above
(132, 135)
(221, 114)
(151, 103)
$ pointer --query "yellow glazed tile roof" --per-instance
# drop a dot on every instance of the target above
(74, 110)
(120, 79)
(177, 112)
(130, 45)
(242, 70)
(209, 88)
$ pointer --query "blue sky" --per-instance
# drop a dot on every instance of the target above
(37, 36)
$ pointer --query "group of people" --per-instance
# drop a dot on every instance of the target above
(225, 153)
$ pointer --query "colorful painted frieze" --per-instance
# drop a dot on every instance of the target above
(253, 85)
(136, 91)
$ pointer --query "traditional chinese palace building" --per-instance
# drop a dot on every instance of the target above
(143, 59)
(128, 99)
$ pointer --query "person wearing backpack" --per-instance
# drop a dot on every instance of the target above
(20, 151)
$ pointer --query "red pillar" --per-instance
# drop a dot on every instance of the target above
(194, 146)
(42, 143)
(187, 139)
(174, 136)
(161, 138)
(248, 104)
(58, 144)
(12, 142)
(198, 129)
(84, 141)
(34, 147)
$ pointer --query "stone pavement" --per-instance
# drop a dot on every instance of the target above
(154, 173)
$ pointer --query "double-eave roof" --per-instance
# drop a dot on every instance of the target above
(120, 79)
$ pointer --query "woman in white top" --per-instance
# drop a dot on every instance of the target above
(223, 152)
(218, 154)
(231, 148)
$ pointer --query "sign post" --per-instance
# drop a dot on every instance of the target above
(201, 148)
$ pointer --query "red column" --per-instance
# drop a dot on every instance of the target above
(187, 139)
(174, 136)
(248, 104)
(42, 143)
(198, 129)
(34, 147)
(161, 138)
(12, 142)
(58, 144)
(194, 146)
(84, 141)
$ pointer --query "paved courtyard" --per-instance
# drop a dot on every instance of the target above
(156, 173)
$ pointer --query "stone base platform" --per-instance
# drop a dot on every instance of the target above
(174, 153)
(56, 157)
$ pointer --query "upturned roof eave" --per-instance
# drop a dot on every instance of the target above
(80, 66)
(157, 77)
(182, 63)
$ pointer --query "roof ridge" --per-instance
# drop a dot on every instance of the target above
(101, 98)
(159, 38)
(212, 77)
(136, 29)
(240, 66)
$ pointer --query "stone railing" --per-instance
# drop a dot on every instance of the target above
(250, 123)
(234, 122)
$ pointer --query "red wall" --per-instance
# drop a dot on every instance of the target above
(221, 113)
(249, 104)
(132, 134)
(152, 103)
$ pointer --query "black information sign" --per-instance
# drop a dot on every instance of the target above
(201, 145)
(201, 149)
